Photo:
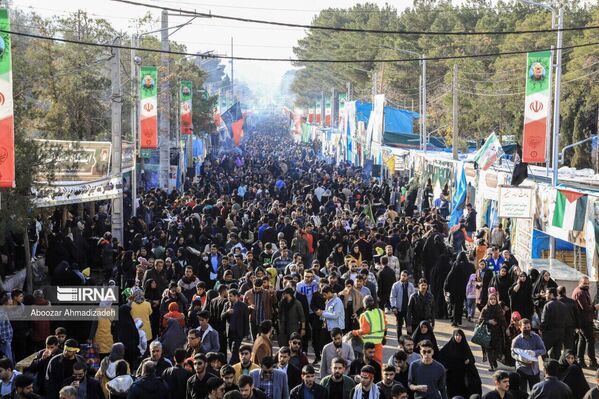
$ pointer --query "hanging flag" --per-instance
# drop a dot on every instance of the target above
(570, 210)
(368, 213)
(7, 137)
(490, 152)
(342, 98)
(327, 113)
(233, 118)
(538, 91)
(185, 97)
(520, 172)
(317, 112)
(149, 107)
(459, 197)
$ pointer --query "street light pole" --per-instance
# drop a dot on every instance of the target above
(556, 102)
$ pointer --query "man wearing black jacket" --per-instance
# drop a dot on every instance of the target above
(60, 367)
(385, 280)
(553, 323)
(86, 386)
(308, 385)
(317, 331)
(571, 318)
(196, 384)
(149, 386)
(294, 375)
(217, 306)
(551, 387)
(176, 376)
(40, 363)
(420, 307)
(236, 314)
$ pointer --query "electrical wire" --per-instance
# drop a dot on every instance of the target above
(317, 11)
(519, 93)
(296, 60)
(580, 77)
(355, 30)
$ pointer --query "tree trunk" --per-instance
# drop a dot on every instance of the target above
(28, 264)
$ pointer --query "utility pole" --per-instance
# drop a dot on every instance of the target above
(334, 108)
(164, 92)
(454, 89)
(117, 147)
(374, 79)
(423, 116)
(232, 73)
(134, 123)
(348, 85)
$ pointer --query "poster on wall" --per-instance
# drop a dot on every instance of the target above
(515, 202)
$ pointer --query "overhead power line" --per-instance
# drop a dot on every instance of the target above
(315, 60)
(358, 30)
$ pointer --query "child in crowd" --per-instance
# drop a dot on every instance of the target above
(471, 296)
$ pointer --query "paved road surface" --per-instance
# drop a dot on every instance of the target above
(443, 331)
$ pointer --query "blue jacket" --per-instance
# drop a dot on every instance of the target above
(334, 314)
(210, 340)
(397, 294)
(280, 390)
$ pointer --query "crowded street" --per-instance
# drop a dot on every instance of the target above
(325, 200)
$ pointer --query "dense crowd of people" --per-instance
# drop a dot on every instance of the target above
(272, 257)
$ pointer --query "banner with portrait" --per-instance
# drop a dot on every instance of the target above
(149, 107)
(185, 96)
(537, 103)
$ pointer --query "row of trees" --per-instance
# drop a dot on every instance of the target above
(490, 88)
(63, 91)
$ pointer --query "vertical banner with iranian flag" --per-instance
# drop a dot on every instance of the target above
(7, 138)
(537, 103)
(327, 112)
(149, 107)
(185, 96)
(317, 113)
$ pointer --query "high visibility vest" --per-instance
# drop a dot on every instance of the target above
(376, 320)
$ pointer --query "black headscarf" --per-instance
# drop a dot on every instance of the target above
(572, 376)
(502, 284)
(417, 336)
(454, 354)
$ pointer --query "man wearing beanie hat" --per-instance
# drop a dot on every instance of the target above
(60, 367)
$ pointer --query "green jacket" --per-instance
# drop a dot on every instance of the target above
(348, 384)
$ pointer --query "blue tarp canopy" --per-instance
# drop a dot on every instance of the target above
(409, 140)
(396, 120)
(540, 242)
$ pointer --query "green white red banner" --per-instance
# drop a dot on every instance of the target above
(490, 152)
(7, 138)
(149, 108)
(537, 103)
(185, 96)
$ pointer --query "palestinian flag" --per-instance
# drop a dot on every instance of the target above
(490, 152)
(570, 211)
